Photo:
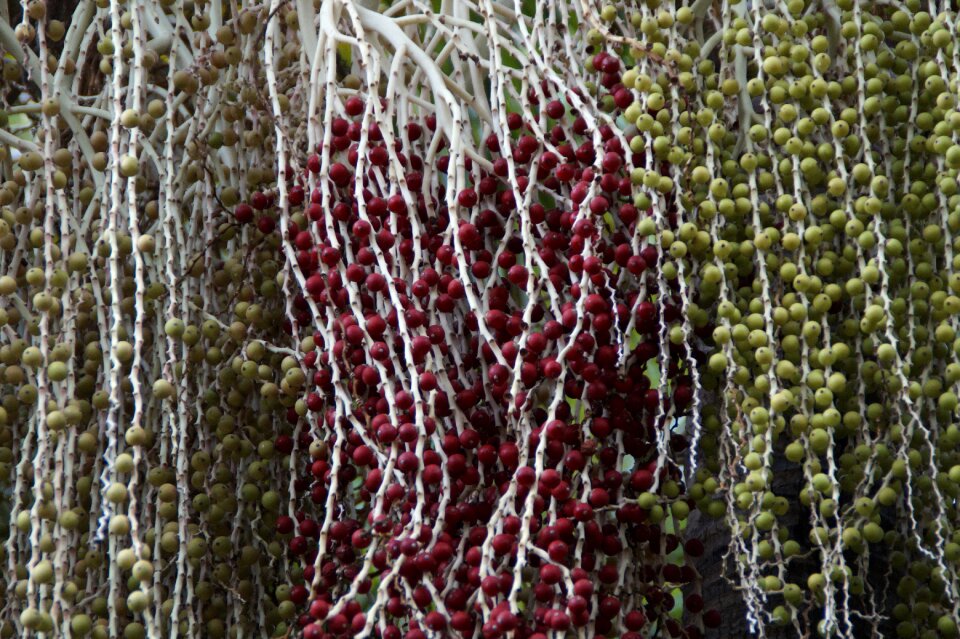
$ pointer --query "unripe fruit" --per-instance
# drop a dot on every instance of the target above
(129, 166)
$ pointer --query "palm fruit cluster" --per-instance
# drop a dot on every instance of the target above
(457, 319)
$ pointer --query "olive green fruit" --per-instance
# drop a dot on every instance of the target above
(129, 166)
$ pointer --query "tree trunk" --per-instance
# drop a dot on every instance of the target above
(718, 590)
(719, 593)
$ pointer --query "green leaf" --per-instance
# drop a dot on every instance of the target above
(653, 373)
(476, 126)
(677, 612)
(509, 60)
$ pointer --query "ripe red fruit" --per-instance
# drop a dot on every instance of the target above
(599, 205)
(693, 603)
(609, 606)
(490, 586)
(357, 622)
(303, 240)
(353, 106)
(361, 228)
(641, 480)
(338, 623)
(555, 109)
(314, 402)
(396, 204)
(296, 195)
(259, 200)
(583, 588)
(435, 621)
(498, 373)
(559, 621)
(693, 547)
(428, 381)
(611, 162)
(507, 620)
(480, 269)
(362, 456)
(284, 525)
(712, 619)
(582, 512)
(518, 275)
(469, 236)
(408, 432)
(557, 550)
(503, 543)
(414, 131)
(298, 545)
(683, 395)
(299, 594)
(595, 303)
(373, 480)
(509, 455)
(467, 198)
(551, 368)
(319, 609)
(634, 620)
(550, 574)
(646, 312)
(375, 282)
(408, 462)
(528, 144)
(599, 497)
(379, 156)
(339, 174)
(576, 604)
(283, 444)
(386, 433)
(636, 265)
(550, 478)
(461, 622)
(243, 213)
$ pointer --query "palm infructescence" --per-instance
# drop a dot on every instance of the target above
(478, 318)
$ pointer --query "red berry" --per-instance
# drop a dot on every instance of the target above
(518, 275)
(353, 106)
(408, 462)
(259, 200)
(435, 621)
(467, 198)
(339, 174)
(557, 551)
(555, 109)
(266, 224)
(712, 619)
(243, 213)
(509, 455)
(296, 195)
